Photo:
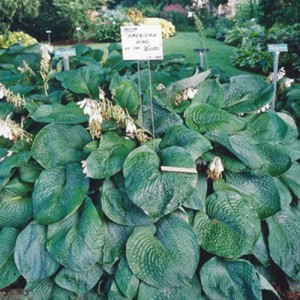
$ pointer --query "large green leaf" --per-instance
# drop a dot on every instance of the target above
(85, 80)
(163, 255)
(31, 256)
(264, 158)
(211, 92)
(158, 193)
(8, 270)
(76, 242)
(58, 113)
(79, 282)
(117, 206)
(11, 162)
(58, 192)
(15, 204)
(229, 227)
(247, 93)
(292, 179)
(108, 159)
(115, 238)
(127, 96)
(162, 116)
(226, 279)
(191, 140)
(262, 189)
(40, 289)
(190, 291)
(126, 280)
(284, 241)
(204, 117)
(58, 144)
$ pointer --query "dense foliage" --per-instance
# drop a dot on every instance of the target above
(18, 37)
(87, 207)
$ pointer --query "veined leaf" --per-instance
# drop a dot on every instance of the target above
(292, 179)
(126, 280)
(163, 255)
(76, 242)
(58, 192)
(204, 117)
(127, 97)
(79, 282)
(115, 238)
(85, 80)
(8, 270)
(58, 113)
(284, 241)
(108, 159)
(158, 193)
(262, 189)
(118, 207)
(58, 144)
(40, 289)
(225, 279)
(229, 227)
(15, 204)
(191, 140)
(31, 256)
(190, 291)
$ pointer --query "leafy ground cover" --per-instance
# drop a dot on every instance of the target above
(88, 209)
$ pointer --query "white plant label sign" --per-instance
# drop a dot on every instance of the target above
(142, 42)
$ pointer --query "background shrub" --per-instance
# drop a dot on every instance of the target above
(20, 37)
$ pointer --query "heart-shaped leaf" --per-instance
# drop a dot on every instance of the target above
(163, 255)
(284, 241)
(125, 280)
(79, 282)
(292, 179)
(158, 193)
(262, 189)
(58, 192)
(108, 159)
(85, 80)
(229, 227)
(191, 140)
(31, 256)
(226, 279)
(8, 270)
(204, 117)
(58, 113)
(58, 144)
(190, 291)
(76, 242)
(15, 204)
(127, 96)
(118, 207)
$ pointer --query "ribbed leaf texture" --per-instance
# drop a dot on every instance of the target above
(163, 255)
(31, 256)
(158, 193)
(8, 270)
(77, 241)
(284, 241)
(58, 192)
(229, 227)
(109, 157)
(58, 144)
(225, 279)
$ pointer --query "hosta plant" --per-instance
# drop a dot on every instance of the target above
(110, 190)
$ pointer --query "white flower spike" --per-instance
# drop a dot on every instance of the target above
(215, 169)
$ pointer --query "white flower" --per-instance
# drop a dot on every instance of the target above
(2, 91)
(160, 87)
(189, 93)
(288, 82)
(84, 167)
(6, 130)
(130, 129)
(215, 169)
(190, 14)
(101, 94)
(46, 49)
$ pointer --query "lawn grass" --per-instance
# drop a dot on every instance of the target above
(185, 42)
